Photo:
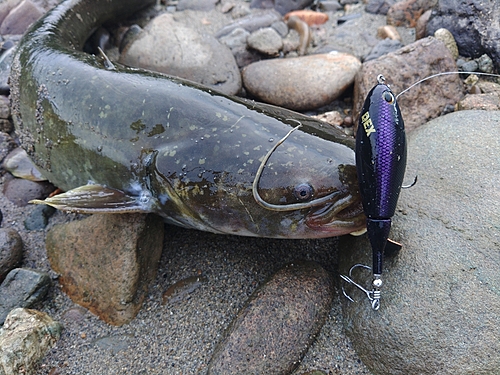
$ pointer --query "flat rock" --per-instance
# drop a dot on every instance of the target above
(106, 262)
(24, 339)
(171, 47)
(11, 251)
(22, 288)
(300, 83)
(474, 24)
(277, 325)
(441, 302)
(420, 59)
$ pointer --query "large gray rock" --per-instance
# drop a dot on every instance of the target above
(24, 339)
(172, 47)
(440, 310)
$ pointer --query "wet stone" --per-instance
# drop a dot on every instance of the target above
(440, 303)
(277, 325)
(298, 83)
(106, 262)
(22, 288)
(25, 338)
(11, 250)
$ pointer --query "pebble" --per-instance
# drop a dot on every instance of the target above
(379, 6)
(330, 6)
(24, 339)
(473, 24)
(440, 304)
(447, 38)
(383, 48)
(421, 26)
(407, 12)
(282, 6)
(236, 40)
(266, 41)
(22, 288)
(11, 251)
(20, 165)
(20, 18)
(298, 83)
(39, 217)
(199, 5)
(106, 262)
(488, 102)
(20, 191)
(274, 329)
(388, 31)
(419, 59)
(251, 22)
(185, 52)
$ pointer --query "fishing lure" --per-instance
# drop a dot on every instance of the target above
(380, 164)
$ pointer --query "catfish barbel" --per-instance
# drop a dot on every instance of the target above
(148, 142)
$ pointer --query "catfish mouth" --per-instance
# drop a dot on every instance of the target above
(343, 216)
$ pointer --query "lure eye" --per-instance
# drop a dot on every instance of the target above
(303, 192)
(388, 97)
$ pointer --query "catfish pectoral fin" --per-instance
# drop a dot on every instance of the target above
(91, 199)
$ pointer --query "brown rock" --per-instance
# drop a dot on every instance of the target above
(308, 16)
(421, 26)
(301, 83)
(107, 262)
(11, 251)
(20, 191)
(20, 18)
(407, 13)
(273, 331)
(406, 66)
(488, 101)
(388, 31)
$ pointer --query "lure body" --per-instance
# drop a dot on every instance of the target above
(380, 164)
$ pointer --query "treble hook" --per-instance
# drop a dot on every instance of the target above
(372, 295)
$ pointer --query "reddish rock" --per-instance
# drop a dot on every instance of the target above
(406, 66)
(106, 262)
(273, 331)
(488, 101)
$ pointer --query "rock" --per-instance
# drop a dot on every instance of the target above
(19, 164)
(21, 17)
(6, 126)
(236, 40)
(407, 12)
(251, 22)
(473, 24)
(330, 6)
(273, 331)
(39, 217)
(419, 59)
(11, 251)
(441, 302)
(379, 6)
(22, 288)
(266, 41)
(282, 6)
(488, 101)
(447, 38)
(201, 5)
(20, 191)
(6, 6)
(299, 83)
(106, 262)
(185, 52)
(383, 48)
(421, 26)
(24, 339)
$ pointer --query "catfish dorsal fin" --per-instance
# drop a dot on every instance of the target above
(91, 199)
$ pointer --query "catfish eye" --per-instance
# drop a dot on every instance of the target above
(303, 192)
(388, 97)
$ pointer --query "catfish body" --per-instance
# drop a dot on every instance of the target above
(152, 143)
